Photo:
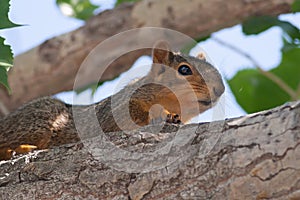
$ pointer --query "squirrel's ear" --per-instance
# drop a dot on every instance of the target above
(161, 52)
(201, 56)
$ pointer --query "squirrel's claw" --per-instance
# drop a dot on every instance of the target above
(173, 118)
(158, 114)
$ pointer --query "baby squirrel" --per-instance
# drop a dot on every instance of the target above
(177, 88)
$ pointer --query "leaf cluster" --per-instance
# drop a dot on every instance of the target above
(80, 9)
(256, 89)
(6, 55)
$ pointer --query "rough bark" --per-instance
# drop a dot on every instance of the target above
(52, 66)
(251, 157)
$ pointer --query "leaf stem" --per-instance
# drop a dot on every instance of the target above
(268, 74)
(3, 109)
(298, 91)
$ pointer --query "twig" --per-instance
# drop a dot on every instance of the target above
(267, 74)
(3, 109)
(298, 90)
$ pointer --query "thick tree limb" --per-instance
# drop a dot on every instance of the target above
(52, 66)
(252, 157)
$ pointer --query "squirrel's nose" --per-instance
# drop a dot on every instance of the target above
(218, 91)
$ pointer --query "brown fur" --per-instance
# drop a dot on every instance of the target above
(162, 95)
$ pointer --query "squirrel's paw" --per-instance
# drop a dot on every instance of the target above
(158, 114)
(173, 118)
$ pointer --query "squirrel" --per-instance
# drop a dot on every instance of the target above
(177, 88)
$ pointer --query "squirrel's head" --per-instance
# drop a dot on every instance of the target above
(192, 81)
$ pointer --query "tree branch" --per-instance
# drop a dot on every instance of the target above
(52, 66)
(251, 157)
(3, 109)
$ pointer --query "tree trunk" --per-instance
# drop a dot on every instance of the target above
(51, 67)
(251, 157)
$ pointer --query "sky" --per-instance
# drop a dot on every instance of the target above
(46, 21)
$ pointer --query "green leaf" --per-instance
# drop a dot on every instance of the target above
(118, 2)
(3, 78)
(289, 70)
(6, 61)
(255, 92)
(80, 9)
(292, 31)
(6, 55)
(4, 9)
(287, 45)
(257, 25)
(296, 6)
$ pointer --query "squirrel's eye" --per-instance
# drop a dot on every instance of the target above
(185, 70)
